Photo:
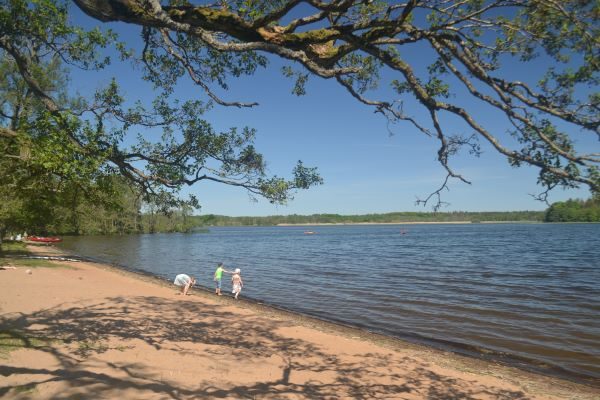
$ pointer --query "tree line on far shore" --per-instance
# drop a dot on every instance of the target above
(574, 210)
(131, 215)
(394, 217)
(71, 212)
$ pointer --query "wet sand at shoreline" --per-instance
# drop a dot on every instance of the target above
(94, 331)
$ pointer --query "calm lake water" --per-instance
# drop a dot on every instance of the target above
(525, 293)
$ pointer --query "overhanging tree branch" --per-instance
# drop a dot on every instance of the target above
(360, 44)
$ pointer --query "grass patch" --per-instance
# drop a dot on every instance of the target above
(92, 345)
(88, 347)
(26, 389)
(123, 348)
(29, 263)
(11, 255)
(11, 340)
(12, 248)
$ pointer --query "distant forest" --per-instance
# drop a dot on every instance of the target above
(130, 215)
(574, 211)
(396, 217)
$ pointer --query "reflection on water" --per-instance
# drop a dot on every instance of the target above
(529, 290)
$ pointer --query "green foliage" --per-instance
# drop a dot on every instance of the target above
(205, 63)
(47, 21)
(11, 248)
(540, 143)
(253, 9)
(10, 216)
(368, 77)
(300, 80)
(50, 157)
(65, 168)
(574, 210)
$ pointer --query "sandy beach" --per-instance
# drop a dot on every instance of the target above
(89, 331)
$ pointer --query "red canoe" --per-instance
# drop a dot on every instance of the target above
(43, 239)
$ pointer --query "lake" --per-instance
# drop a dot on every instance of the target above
(527, 294)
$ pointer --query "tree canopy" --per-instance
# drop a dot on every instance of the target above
(574, 210)
(53, 138)
(472, 57)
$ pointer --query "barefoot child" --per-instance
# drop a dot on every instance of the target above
(237, 283)
(218, 276)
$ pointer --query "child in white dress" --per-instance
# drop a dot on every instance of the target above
(237, 283)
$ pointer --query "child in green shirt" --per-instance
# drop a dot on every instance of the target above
(218, 276)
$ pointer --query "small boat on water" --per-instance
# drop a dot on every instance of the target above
(43, 239)
(310, 232)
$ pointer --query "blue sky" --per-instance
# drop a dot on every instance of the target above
(365, 169)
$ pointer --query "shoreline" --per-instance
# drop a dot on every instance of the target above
(444, 363)
(459, 349)
(529, 365)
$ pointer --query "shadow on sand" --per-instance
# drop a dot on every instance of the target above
(83, 332)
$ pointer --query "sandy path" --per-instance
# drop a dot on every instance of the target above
(105, 334)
